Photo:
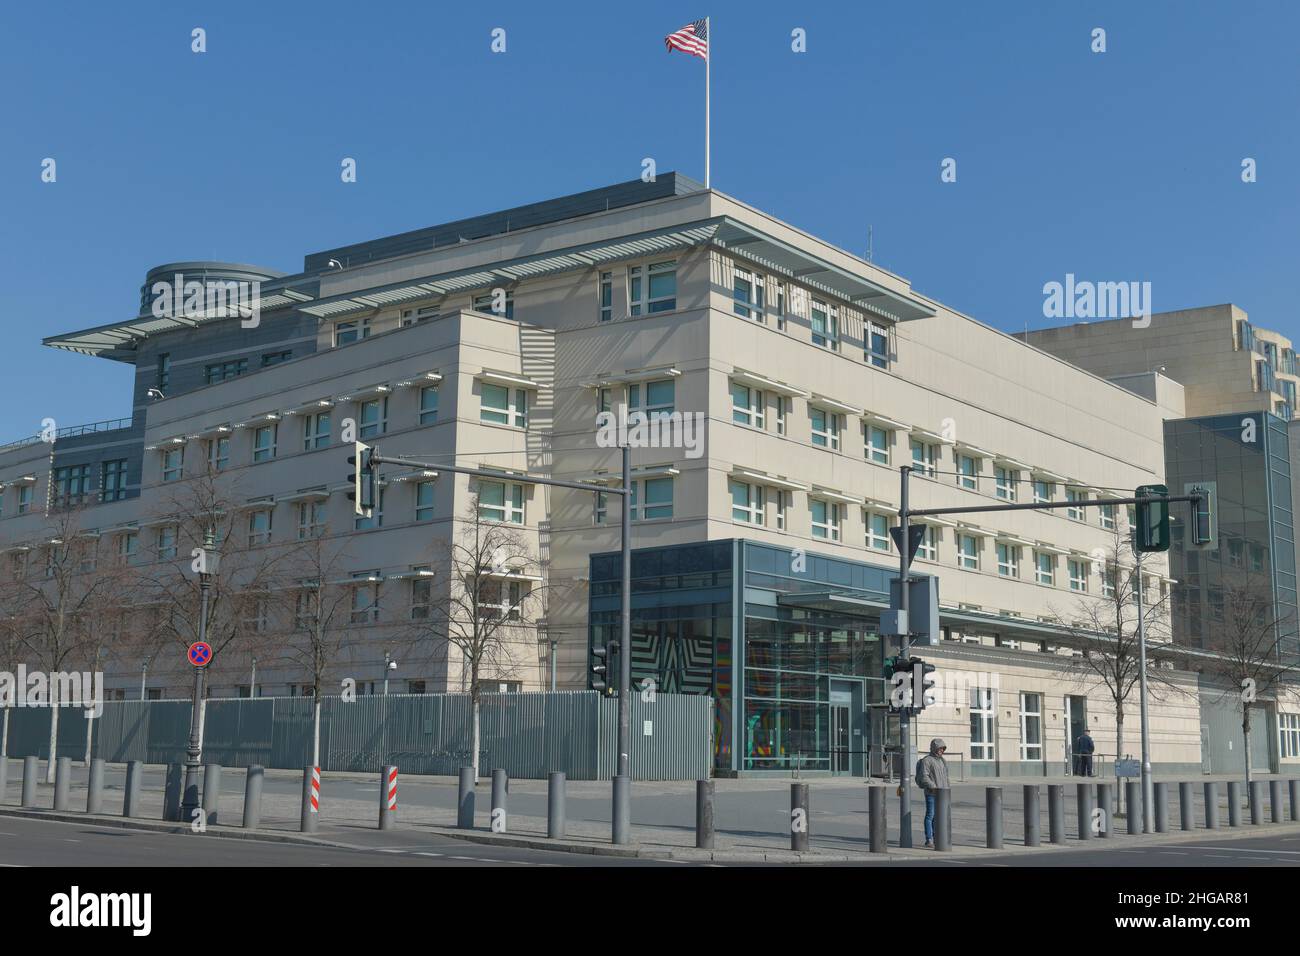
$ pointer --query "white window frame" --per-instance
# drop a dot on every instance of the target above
(217, 452)
(427, 508)
(877, 453)
(753, 414)
(829, 336)
(166, 552)
(784, 406)
(870, 354)
(428, 416)
(513, 498)
(832, 527)
(968, 479)
(829, 434)
(173, 463)
(638, 398)
(605, 297)
(1031, 714)
(661, 510)
(1043, 491)
(348, 331)
(369, 611)
(1288, 727)
(1006, 480)
(783, 500)
(258, 535)
(753, 509)
(265, 452)
(421, 594)
(1106, 516)
(928, 550)
(316, 431)
(1076, 513)
(875, 538)
(1044, 577)
(514, 414)
(752, 306)
(379, 425)
(483, 303)
(639, 279)
(1078, 575)
(983, 713)
(927, 466)
(312, 519)
(968, 560)
(1008, 560)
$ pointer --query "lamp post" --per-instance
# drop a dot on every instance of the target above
(206, 564)
(389, 665)
(252, 683)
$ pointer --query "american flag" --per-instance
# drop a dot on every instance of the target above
(692, 38)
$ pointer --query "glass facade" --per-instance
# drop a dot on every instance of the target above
(1247, 456)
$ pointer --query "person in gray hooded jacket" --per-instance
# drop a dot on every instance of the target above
(931, 776)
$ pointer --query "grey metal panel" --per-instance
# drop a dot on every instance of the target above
(291, 730)
(1221, 715)
(238, 733)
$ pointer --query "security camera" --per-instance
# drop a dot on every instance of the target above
(155, 393)
(392, 665)
(334, 264)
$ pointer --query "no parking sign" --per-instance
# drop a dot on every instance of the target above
(200, 653)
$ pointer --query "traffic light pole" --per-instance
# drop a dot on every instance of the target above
(904, 717)
(1148, 798)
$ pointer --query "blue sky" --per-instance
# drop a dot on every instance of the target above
(1124, 165)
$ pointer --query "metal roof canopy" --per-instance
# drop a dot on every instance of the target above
(833, 601)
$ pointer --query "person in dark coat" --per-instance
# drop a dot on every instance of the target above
(1084, 749)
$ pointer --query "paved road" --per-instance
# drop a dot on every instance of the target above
(1231, 852)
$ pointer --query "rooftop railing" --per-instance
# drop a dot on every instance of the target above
(72, 431)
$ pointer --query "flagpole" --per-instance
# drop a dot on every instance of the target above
(708, 62)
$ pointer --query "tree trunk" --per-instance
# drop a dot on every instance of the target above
(315, 734)
(54, 731)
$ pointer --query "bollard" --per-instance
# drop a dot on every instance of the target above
(943, 819)
(253, 781)
(388, 798)
(1234, 803)
(993, 818)
(95, 787)
(1294, 787)
(876, 822)
(1275, 800)
(1106, 802)
(131, 791)
(465, 799)
(621, 816)
(211, 792)
(1256, 802)
(171, 809)
(1032, 834)
(499, 821)
(1161, 796)
(1185, 808)
(1211, 805)
(30, 768)
(1083, 809)
(4, 778)
(1056, 812)
(704, 814)
(62, 776)
(555, 823)
(310, 799)
(799, 817)
(1133, 796)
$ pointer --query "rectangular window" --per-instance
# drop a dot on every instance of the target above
(24, 499)
(428, 405)
(1106, 516)
(113, 480)
(424, 313)
(925, 458)
(372, 416)
(217, 452)
(501, 501)
(825, 519)
(275, 358)
(376, 519)
(365, 598)
(781, 301)
(173, 463)
(1108, 578)
(495, 406)
(264, 443)
(784, 405)
(747, 291)
(1074, 513)
(424, 501)
(1005, 482)
(1288, 726)
(1031, 726)
(166, 543)
(71, 485)
(929, 549)
(782, 501)
(877, 530)
(660, 397)
(875, 444)
(600, 508)
(653, 291)
(983, 744)
(1042, 490)
(658, 493)
(221, 371)
(825, 325)
(353, 330)
(876, 352)
(1008, 560)
(311, 519)
(968, 552)
(747, 405)
(259, 527)
(493, 304)
(1078, 575)
(825, 428)
(968, 469)
(746, 502)
(1044, 568)
(421, 594)
(606, 296)
(164, 370)
(316, 431)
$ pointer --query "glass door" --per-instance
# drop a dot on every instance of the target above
(841, 727)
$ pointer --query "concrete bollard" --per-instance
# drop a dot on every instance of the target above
(1185, 809)
(1234, 803)
(704, 814)
(387, 798)
(1106, 801)
(943, 819)
(1032, 835)
(310, 817)
(993, 817)
(131, 791)
(1083, 809)
(799, 823)
(31, 767)
(465, 799)
(555, 822)
(621, 829)
(253, 781)
(62, 778)
(1256, 802)
(211, 792)
(171, 809)
(1275, 800)
(877, 825)
(1160, 793)
(499, 821)
(1056, 812)
(95, 786)
(1211, 805)
(1133, 796)
(1294, 787)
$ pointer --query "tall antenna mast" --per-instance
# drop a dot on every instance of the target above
(869, 243)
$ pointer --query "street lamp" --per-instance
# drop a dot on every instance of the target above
(206, 562)
(252, 686)
(389, 665)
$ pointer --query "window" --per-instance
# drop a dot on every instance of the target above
(925, 458)
(825, 428)
(221, 371)
(264, 443)
(780, 307)
(259, 527)
(316, 431)
(311, 519)
(113, 480)
(929, 548)
(24, 499)
(1288, 726)
(1042, 490)
(217, 452)
(660, 397)
(747, 290)
(825, 325)
(747, 405)
(1008, 560)
(983, 744)
(876, 352)
(127, 544)
(600, 509)
(255, 616)
(1107, 516)
(968, 469)
(746, 502)
(376, 519)
(494, 304)
(783, 501)
(875, 444)
(167, 543)
(606, 296)
(826, 519)
(71, 485)
(372, 416)
(1078, 575)
(365, 597)
(424, 501)
(275, 358)
(1005, 480)
(353, 330)
(495, 405)
(1031, 726)
(423, 314)
(1108, 579)
(658, 494)
(173, 462)
(784, 405)
(968, 552)
(658, 291)
(1074, 513)
(1044, 568)
(421, 593)
(501, 501)
(164, 370)
(500, 599)
(428, 405)
(877, 530)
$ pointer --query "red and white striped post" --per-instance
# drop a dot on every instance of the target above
(310, 798)
(388, 798)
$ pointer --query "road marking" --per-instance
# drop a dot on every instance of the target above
(1236, 849)
(428, 854)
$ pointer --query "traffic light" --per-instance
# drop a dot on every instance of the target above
(926, 680)
(1205, 520)
(1152, 531)
(362, 479)
(898, 675)
(600, 675)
